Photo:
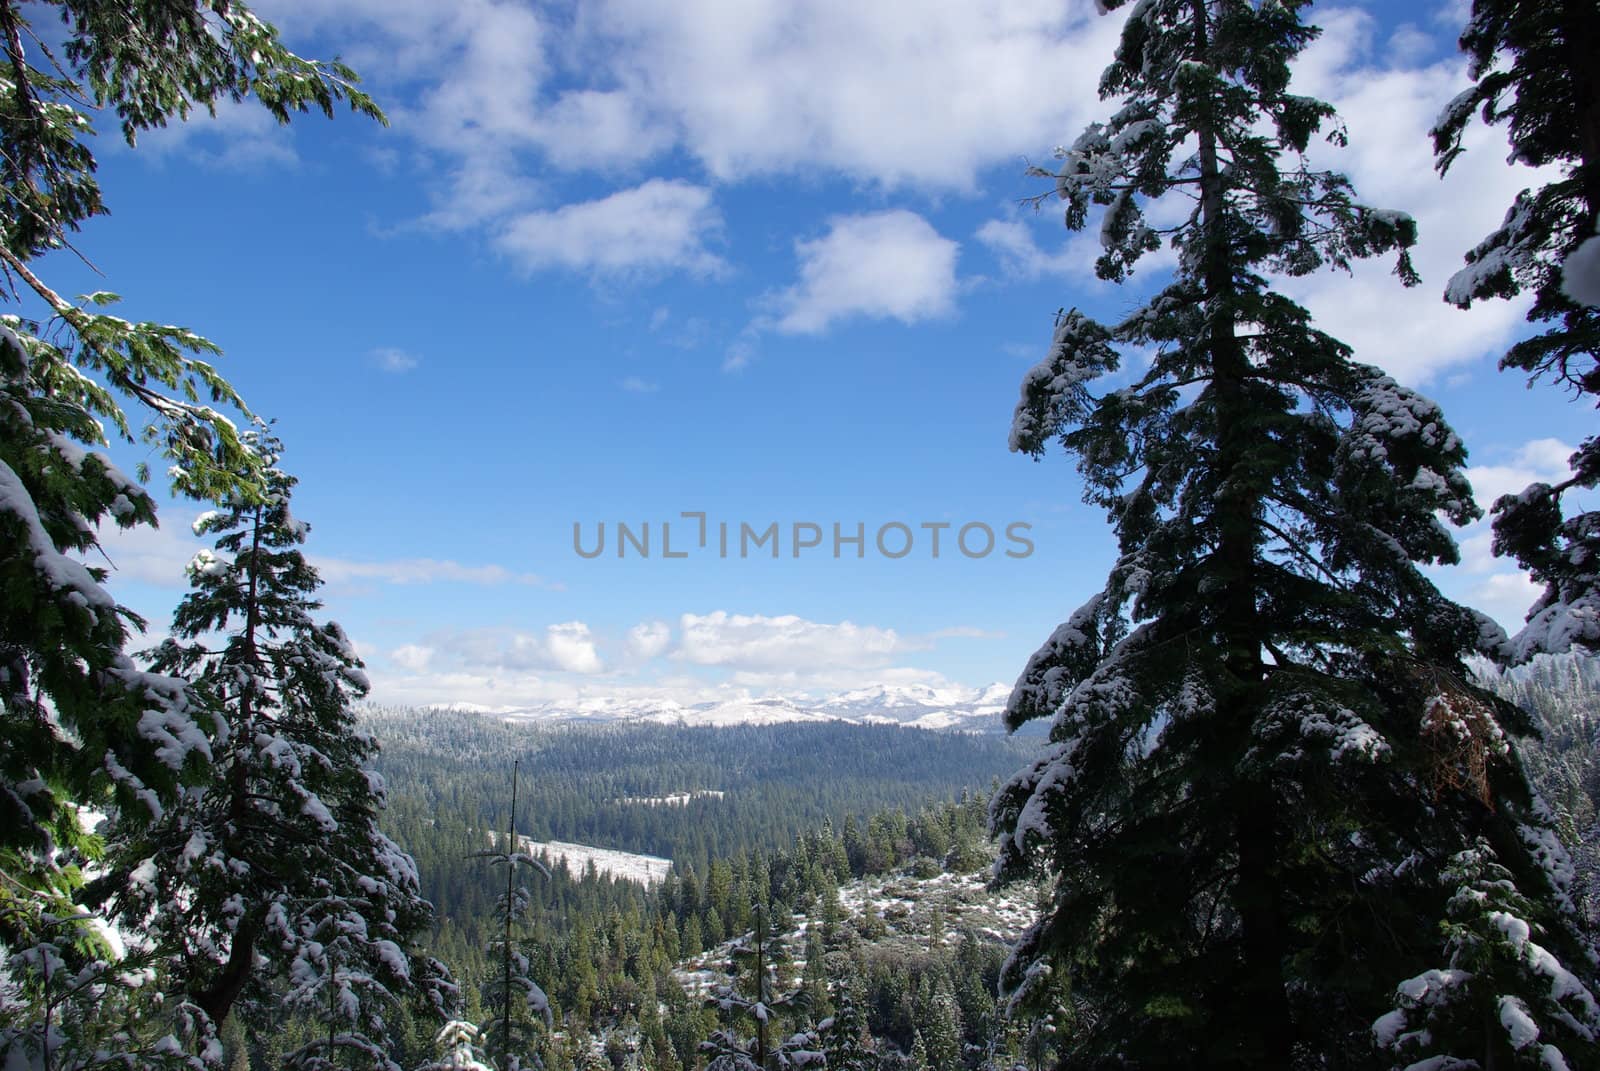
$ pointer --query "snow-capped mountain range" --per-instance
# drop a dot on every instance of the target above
(921, 706)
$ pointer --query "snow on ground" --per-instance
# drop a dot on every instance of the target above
(644, 869)
(901, 913)
(676, 799)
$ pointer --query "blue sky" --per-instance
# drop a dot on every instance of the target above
(615, 260)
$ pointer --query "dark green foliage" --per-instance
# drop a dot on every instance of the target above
(272, 885)
(846, 1041)
(604, 947)
(759, 1001)
(84, 726)
(1266, 750)
(1533, 69)
(510, 989)
(779, 781)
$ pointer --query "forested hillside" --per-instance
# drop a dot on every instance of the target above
(812, 821)
(1563, 693)
(865, 892)
(578, 782)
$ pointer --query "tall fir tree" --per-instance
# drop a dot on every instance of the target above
(1533, 69)
(1265, 749)
(275, 871)
(511, 990)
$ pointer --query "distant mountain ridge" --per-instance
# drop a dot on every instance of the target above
(949, 709)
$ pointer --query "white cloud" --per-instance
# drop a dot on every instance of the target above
(740, 352)
(159, 556)
(717, 656)
(156, 556)
(571, 647)
(241, 136)
(420, 571)
(1012, 243)
(568, 647)
(394, 361)
(498, 93)
(747, 87)
(635, 385)
(924, 101)
(1389, 110)
(1540, 460)
(649, 639)
(785, 644)
(658, 226)
(885, 264)
(412, 656)
(1504, 596)
(965, 632)
(1495, 585)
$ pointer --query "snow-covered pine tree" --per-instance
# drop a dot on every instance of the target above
(1533, 68)
(82, 725)
(754, 995)
(275, 873)
(846, 1041)
(510, 989)
(1265, 749)
(462, 1050)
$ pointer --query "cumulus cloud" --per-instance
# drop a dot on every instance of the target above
(1389, 108)
(964, 85)
(1540, 460)
(658, 226)
(500, 94)
(412, 656)
(1495, 585)
(861, 89)
(567, 647)
(571, 647)
(882, 265)
(784, 643)
(699, 658)
(649, 639)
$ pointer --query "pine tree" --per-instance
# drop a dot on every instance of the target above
(814, 978)
(1265, 746)
(1532, 66)
(918, 1057)
(276, 869)
(940, 1027)
(462, 1051)
(511, 990)
(846, 1041)
(755, 960)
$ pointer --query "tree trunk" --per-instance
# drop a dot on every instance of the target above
(1259, 1021)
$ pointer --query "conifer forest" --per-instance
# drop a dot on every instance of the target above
(1306, 777)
